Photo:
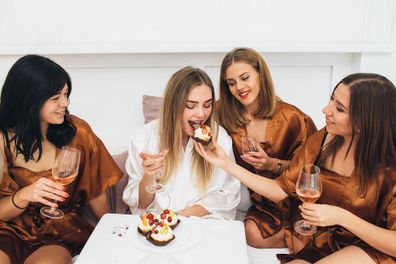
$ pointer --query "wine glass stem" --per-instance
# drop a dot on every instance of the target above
(53, 208)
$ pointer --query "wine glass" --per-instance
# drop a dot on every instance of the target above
(308, 189)
(155, 187)
(249, 144)
(64, 172)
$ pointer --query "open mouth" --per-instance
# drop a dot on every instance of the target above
(244, 95)
(195, 124)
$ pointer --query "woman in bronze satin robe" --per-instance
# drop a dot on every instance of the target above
(248, 105)
(35, 124)
(356, 153)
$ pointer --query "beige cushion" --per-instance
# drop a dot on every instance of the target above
(114, 193)
(151, 107)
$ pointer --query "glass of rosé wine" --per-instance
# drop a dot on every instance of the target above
(308, 189)
(64, 172)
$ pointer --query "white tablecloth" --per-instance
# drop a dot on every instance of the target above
(197, 241)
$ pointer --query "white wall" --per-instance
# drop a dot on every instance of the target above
(116, 51)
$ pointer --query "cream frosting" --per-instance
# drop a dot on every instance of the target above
(144, 224)
(203, 132)
(166, 214)
(162, 232)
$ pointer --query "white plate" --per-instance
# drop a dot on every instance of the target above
(187, 235)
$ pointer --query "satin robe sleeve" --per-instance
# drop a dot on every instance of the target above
(307, 154)
(97, 168)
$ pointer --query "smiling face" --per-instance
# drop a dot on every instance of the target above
(197, 109)
(54, 108)
(337, 112)
(244, 84)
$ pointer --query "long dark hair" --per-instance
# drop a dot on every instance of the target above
(31, 81)
(229, 110)
(372, 113)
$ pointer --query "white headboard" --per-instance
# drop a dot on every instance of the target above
(116, 51)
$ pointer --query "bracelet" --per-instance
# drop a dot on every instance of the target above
(13, 202)
(279, 166)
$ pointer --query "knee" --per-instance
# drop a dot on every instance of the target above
(255, 239)
(253, 235)
(51, 254)
(54, 260)
(4, 258)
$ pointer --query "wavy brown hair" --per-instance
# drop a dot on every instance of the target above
(372, 113)
(230, 112)
(170, 128)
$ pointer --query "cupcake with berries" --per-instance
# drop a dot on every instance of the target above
(161, 234)
(147, 222)
(202, 134)
(170, 218)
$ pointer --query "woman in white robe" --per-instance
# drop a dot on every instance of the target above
(192, 187)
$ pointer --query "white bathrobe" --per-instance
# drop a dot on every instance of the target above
(181, 191)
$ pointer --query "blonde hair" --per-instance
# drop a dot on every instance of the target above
(171, 130)
(230, 110)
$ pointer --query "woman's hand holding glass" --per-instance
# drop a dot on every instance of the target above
(308, 189)
(65, 170)
(254, 154)
(153, 165)
(44, 191)
(323, 214)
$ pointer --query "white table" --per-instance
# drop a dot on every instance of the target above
(197, 241)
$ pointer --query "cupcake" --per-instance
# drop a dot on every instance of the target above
(170, 218)
(146, 223)
(202, 134)
(161, 234)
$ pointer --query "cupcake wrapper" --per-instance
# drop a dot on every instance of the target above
(158, 243)
(203, 142)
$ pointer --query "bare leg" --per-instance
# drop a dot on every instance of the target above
(4, 259)
(254, 238)
(53, 254)
(298, 261)
(350, 255)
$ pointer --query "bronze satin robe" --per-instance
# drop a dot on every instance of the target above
(340, 191)
(31, 230)
(287, 129)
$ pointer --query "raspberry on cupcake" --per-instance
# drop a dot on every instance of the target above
(170, 218)
(146, 223)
